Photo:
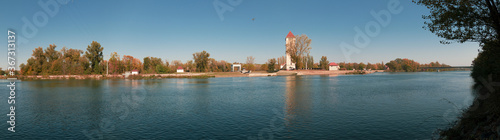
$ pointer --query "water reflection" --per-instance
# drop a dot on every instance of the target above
(57, 99)
(199, 89)
(307, 107)
(298, 102)
(327, 90)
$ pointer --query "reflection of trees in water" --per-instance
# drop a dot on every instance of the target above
(326, 89)
(64, 99)
(202, 95)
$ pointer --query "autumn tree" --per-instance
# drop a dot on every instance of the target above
(281, 60)
(39, 61)
(201, 61)
(263, 67)
(250, 63)
(190, 66)
(299, 49)
(130, 63)
(115, 64)
(176, 63)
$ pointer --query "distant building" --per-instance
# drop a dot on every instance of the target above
(180, 69)
(289, 40)
(334, 66)
(235, 65)
(134, 72)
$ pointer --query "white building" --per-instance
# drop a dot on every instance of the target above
(334, 66)
(180, 69)
(235, 65)
(289, 40)
(134, 72)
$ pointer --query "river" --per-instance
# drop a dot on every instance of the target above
(373, 106)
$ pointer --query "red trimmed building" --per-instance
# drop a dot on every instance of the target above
(289, 40)
(333, 66)
(180, 69)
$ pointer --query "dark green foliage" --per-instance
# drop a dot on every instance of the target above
(94, 55)
(463, 20)
(403, 65)
(271, 65)
(323, 63)
(487, 63)
(153, 65)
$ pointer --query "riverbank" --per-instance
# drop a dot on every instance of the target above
(195, 75)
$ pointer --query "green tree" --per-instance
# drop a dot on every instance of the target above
(201, 61)
(160, 69)
(323, 63)
(94, 55)
(84, 65)
(403, 65)
(361, 66)
(271, 65)
(147, 66)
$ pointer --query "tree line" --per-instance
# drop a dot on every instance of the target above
(77, 62)
(69, 61)
(66, 61)
(407, 65)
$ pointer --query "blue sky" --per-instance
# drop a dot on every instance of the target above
(175, 29)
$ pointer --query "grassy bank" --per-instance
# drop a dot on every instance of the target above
(480, 121)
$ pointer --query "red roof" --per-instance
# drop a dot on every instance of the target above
(290, 35)
(135, 70)
(179, 67)
(333, 64)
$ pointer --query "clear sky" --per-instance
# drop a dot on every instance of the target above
(175, 29)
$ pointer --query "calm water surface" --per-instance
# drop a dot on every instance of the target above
(375, 106)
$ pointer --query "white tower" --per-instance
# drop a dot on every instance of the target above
(290, 41)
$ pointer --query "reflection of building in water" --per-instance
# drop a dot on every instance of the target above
(290, 94)
(179, 83)
(298, 102)
(131, 83)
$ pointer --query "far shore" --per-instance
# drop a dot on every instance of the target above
(197, 75)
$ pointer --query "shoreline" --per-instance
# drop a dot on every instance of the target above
(194, 75)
